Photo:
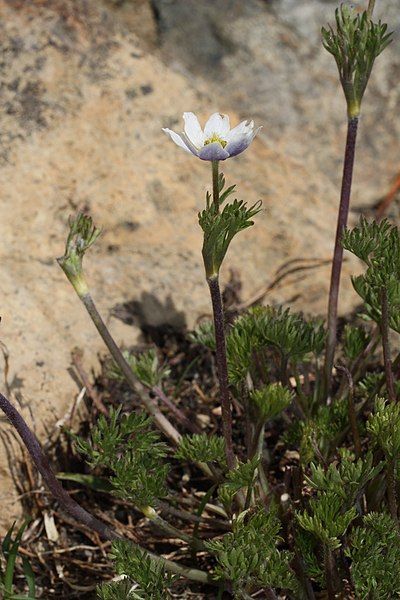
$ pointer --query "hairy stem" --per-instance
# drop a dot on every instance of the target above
(330, 572)
(391, 491)
(69, 504)
(222, 368)
(160, 420)
(172, 531)
(185, 515)
(338, 250)
(386, 345)
(41, 461)
(215, 183)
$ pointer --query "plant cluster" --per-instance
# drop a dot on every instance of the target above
(299, 484)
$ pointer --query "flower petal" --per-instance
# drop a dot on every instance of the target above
(243, 127)
(179, 141)
(189, 144)
(213, 151)
(218, 124)
(193, 130)
(240, 142)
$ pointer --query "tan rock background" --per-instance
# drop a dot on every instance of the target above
(84, 91)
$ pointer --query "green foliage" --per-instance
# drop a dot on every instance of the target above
(368, 238)
(128, 446)
(378, 245)
(355, 45)
(291, 334)
(122, 589)
(355, 340)
(307, 546)
(347, 480)
(9, 550)
(149, 576)
(239, 478)
(270, 400)
(384, 427)
(145, 366)
(82, 234)
(202, 448)
(375, 557)
(204, 335)
(317, 434)
(248, 556)
(267, 327)
(368, 384)
(220, 227)
(241, 342)
(326, 519)
(243, 475)
(369, 288)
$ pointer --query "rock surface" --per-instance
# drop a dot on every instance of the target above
(86, 87)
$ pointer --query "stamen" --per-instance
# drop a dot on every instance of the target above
(215, 138)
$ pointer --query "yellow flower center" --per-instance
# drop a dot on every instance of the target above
(215, 138)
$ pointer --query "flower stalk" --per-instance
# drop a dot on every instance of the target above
(161, 421)
(215, 183)
(82, 235)
(222, 368)
(355, 44)
(220, 340)
(337, 261)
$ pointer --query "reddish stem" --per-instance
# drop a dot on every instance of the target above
(338, 250)
(222, 368)
(41, 461)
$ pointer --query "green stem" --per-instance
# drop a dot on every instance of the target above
(257, 441)
(192, 541)
(215, 183)
(201, 509)
(249, 494)
(161, 421)
(185, 515)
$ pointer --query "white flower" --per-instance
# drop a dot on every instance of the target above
(218, 141)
